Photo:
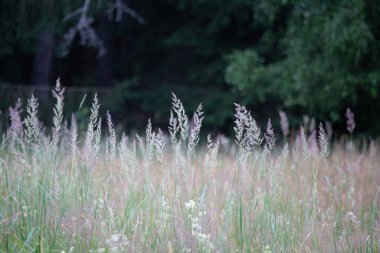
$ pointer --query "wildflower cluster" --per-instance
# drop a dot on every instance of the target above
(196, 215)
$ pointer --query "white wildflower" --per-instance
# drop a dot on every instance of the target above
(195, 215)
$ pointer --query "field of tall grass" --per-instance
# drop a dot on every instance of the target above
(66, 190)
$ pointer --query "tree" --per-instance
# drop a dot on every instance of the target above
(328, 58)
(49, 28)
(184, 51)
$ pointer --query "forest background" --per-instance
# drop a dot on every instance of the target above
(314, 58)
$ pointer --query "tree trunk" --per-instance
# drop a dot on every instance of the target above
(105, 75)
(43, 59)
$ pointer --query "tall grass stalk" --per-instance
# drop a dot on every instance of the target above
(64, 190)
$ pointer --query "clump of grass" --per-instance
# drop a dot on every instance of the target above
(69, 191)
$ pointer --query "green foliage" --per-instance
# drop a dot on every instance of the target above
(327, 58)
(20, 21)
(306, 57)
(190, 39)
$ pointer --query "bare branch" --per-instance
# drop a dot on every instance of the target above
(72, 14)
(88, 36)
(87, 33)
(119, 7)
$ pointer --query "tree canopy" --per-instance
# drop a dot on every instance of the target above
(327, 59)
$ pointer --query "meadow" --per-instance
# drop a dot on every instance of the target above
(69, 190)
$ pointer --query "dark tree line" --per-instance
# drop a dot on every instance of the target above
(303, 57)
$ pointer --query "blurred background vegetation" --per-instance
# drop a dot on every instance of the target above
(306, 57)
